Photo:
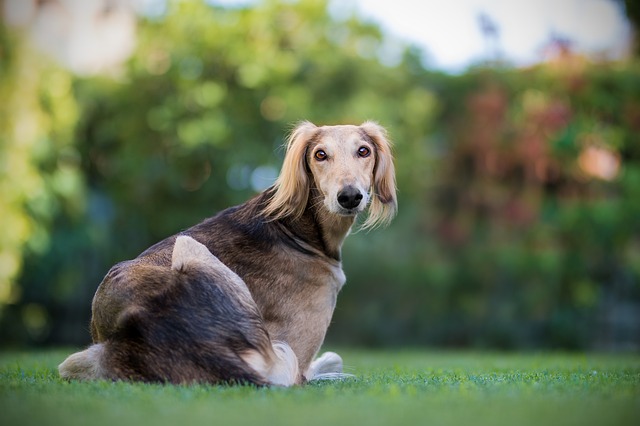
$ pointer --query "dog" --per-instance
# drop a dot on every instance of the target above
(247, 295)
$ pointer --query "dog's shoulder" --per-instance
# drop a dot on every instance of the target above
(160, 252)
(240, 227)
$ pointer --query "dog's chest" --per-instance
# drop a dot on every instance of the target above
(296, 286)
(338, 278)
(322, 291)
(325, 276)
(299, 311)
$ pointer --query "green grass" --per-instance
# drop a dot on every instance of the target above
(390, 388)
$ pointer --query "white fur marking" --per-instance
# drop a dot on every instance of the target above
(328, 366)
(285, 370)
(187, 252)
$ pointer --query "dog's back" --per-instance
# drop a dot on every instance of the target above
(196, 322)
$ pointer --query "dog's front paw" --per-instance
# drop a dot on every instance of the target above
(326, 367)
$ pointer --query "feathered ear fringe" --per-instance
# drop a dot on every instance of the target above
(291, 190)
(384, 204)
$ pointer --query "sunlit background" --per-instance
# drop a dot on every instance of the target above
(516, 128)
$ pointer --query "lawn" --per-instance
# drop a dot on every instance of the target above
(389, 388)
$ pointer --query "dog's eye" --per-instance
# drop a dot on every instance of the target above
(320, 155)
(364, 152)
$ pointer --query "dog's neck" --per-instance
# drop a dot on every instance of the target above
(333, 229)
(322, 230)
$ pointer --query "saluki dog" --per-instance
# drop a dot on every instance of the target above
(247, 295)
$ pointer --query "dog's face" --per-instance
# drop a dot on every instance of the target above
(351, 166)
(341, 160)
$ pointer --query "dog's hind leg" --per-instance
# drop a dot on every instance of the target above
(274, 361)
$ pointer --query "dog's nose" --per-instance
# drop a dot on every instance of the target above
(349, 197)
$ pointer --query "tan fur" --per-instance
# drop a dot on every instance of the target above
(84, 365)
(277, 257)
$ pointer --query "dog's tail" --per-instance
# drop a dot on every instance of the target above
(84, 365)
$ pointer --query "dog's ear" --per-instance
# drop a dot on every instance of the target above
(384, 203)
(291, 190)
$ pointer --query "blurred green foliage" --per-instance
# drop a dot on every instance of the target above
(519, 188)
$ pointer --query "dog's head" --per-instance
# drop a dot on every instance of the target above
(350, 166)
